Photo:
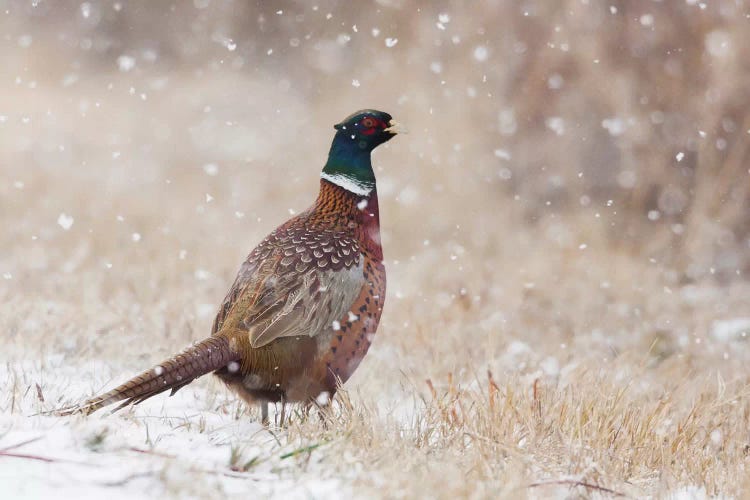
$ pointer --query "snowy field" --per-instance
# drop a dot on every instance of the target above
(566, 230)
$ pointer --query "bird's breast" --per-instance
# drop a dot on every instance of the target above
(347, 342)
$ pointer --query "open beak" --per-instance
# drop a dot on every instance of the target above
(395, 127)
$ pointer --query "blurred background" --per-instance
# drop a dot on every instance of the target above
(570, 165)
(570, 211)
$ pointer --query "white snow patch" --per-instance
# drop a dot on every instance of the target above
(689, 493)
(65, 221)
(730, 329)
(550, 366)
(165, 447)
(323, 398)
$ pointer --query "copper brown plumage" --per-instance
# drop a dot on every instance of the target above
(306, 302)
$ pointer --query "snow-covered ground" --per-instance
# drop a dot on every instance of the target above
(167, 447)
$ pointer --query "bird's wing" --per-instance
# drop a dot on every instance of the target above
(306, 304)
(296, 289)
(244, 276)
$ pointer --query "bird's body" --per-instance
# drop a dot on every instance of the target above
(306, 302)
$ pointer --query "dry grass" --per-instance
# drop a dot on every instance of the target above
(559, 312)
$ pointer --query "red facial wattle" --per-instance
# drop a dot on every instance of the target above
(370, 125)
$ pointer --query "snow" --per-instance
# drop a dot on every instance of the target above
(555, 81)
(166, 447)
(202, 122)
(24, 41)
(556, 124)
(125, 63)
(615, 126)
(731, 329)
(550, 366)
(502, 154)
(481, 53)
(718, 43)
(689, 493)
(647, 20)
(65, 221)
(323, 398)
(211, 169)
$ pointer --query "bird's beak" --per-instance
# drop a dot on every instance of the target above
(395, 127)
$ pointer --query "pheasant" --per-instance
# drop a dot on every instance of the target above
(306, 302)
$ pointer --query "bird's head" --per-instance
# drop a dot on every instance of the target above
(349, 165)
(367, 128)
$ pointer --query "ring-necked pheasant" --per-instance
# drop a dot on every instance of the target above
(302, 311)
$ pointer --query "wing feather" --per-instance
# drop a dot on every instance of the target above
(307, 310)
(271, 298)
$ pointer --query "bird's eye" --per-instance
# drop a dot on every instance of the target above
(367, 122)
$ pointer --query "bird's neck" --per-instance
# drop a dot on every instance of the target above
(353, 212)
(349, 165)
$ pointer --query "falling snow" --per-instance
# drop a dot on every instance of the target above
(571, 197)
(125, 63)
(481, 53)
(65, 221)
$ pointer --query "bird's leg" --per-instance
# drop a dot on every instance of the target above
(283, 411)
(264, 413)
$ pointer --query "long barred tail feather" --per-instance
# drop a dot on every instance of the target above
(179, 370)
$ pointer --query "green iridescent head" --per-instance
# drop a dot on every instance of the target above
(356, 136)
(368, 128)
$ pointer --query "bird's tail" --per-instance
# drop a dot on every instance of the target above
(197, 360)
